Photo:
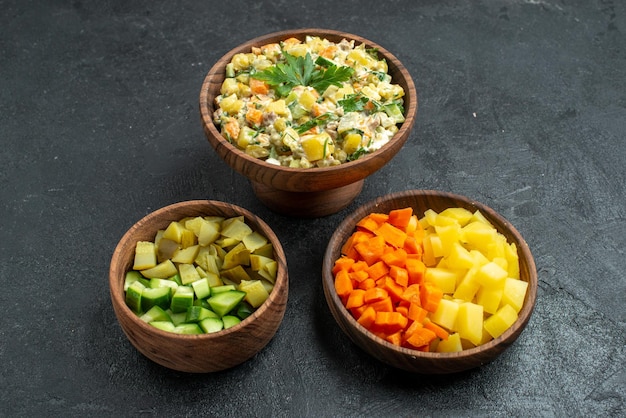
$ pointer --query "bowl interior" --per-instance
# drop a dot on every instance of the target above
(413, 360)
(304, 180)
(189, 352)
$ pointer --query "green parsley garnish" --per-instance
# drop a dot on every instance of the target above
(301, 71)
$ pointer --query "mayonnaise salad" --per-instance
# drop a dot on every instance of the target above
(308, 104)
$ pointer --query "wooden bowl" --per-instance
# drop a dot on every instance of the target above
(206, 352)
(309, 192)
(413, 360)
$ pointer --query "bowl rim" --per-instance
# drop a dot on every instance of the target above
(116, 282)
(217, 72)
(347, 225)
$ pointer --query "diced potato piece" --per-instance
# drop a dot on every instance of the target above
(145, 255)
(451, 345)
(229, 86)
(461, 215)
(491, 275)
(460, 257)
(245, 137)
(162, 270)
(317, 147)
(236, 274)
(231, 104)
(188, 273)
(510, 253)
(352, 142)
(478, 236)
(208, 261)
(499, 322)
(466, 290)
(307, 99)
(256, 293)
(469, 322)
(444, 279)
(188, 238)
(278, 106)
(514, 293)
(449, 235)
(489, 298)
(446, 314)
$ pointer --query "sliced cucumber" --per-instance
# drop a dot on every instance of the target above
(157, 296)
(209, 325)
(230, 321)
(198, 313)
(224, 302)
(393, 111)
(133, 296)
(182, 299)
(187, 329)
(164, 325)
(156, 313)
(201, 288)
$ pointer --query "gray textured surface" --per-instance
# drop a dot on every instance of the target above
(522, 107)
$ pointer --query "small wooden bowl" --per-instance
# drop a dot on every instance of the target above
(207, 352)
(310, 192)
(413, 360)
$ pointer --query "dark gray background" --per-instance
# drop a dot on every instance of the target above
(522, 107)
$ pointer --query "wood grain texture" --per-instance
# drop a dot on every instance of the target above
(412, 360)
(315, 180)
(207, 352)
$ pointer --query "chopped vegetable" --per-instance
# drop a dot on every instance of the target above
(442, 283)
(212, 273)
(277, 95)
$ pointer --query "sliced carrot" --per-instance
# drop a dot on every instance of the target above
(390, 322)
(357, 312)
(384, 305)
(371, 250)
(368, 317)
(411, 246)
(329, 52)
(439, 331)
(395, 338)
(417, 313)
(392, 235)
(368, 223)
(430, 296)
(400, 275)
(231, 127)
(395, 257)
(380, 218)
(416, 269)
(258, 86)
(254, 117)
(367, 284)
(355, 299)
(404, 310)
(411, 328)
(393, 289)
(343, 263)
(412, 294)
(421, 337)
(378, 270)
(374, 294)
(343, 284)
(400, 217)
(359, 275)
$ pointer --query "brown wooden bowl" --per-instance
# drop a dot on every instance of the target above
(207, 352)
(309, 192)
(413, 360)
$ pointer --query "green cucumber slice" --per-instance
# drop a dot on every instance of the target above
(158, 296)
(187, 329)
(198, 313)
(224, 302)
(223, 288)
(133, 296)
(393, 111)
(201, 288)
(163, 325)
(230, 321)
(182, 299)
(209, 325)
(132, 277)
(156, 313)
